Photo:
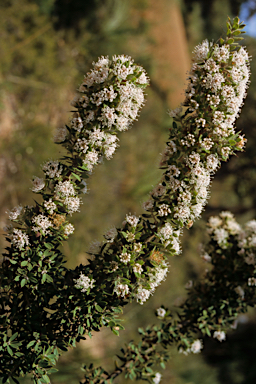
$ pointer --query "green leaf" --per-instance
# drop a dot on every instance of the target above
(111, 324)
(49, 279)
(117, 310)
(49, 245)
(13, 336)
(13, 261)
(31, 343)
(76, 176)
(53, 370)
(23, 282)
(47, 252)
(45, 379)
(98, 308)
(24, 263)
(9, 350)
(115, 332)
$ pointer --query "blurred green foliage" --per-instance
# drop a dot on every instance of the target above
(46, 46)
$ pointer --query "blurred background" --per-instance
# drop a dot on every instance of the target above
(45, 48)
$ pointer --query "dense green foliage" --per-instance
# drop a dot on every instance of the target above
(71, 55)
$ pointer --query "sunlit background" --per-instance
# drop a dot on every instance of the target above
(45, 47)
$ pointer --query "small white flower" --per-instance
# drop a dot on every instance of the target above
(84, 283)
(165, 232)
(161, 312)
(64, 189)
(225, 151)
(50, 206)
(137, 247)
(206, 257)
(251, 281)
(60, 135)
(72, 204)
(15, 212)
(38, 184)
(85, 189)
(157, 378)
(42, 224)
(52, 169)
(130, 236)
(200, 52)
(125, 257)
(137, 268)
(250, 259)
(110, 235)
(196, 346)
(91, 159)
(81, 145)
(69, 229)
(158, 191)
(132, 220)
(175, 112)
(189, 284)
(219, 335)
(148, 205)
(121, 290)
(164, 210)
(173, 171)
(142, 295)
(19, 239)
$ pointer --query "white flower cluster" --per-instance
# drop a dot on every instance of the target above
(84, 283)
(169, 237)
(65, 192)
(42, 223)
(125, 257)
(222, 226)
(15, 212)
(195, 347)
(52, 169)
(121, 290)
(100, 114)
(224, 230)
(50, 206)
(202, 138)
(142, 295)
(19, 239)
(153, 277)
(223, 76)
(132, 220)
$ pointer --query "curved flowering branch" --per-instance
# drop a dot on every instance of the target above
(40, 298)
(212, 307)
(44, 306)
(202, 135)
